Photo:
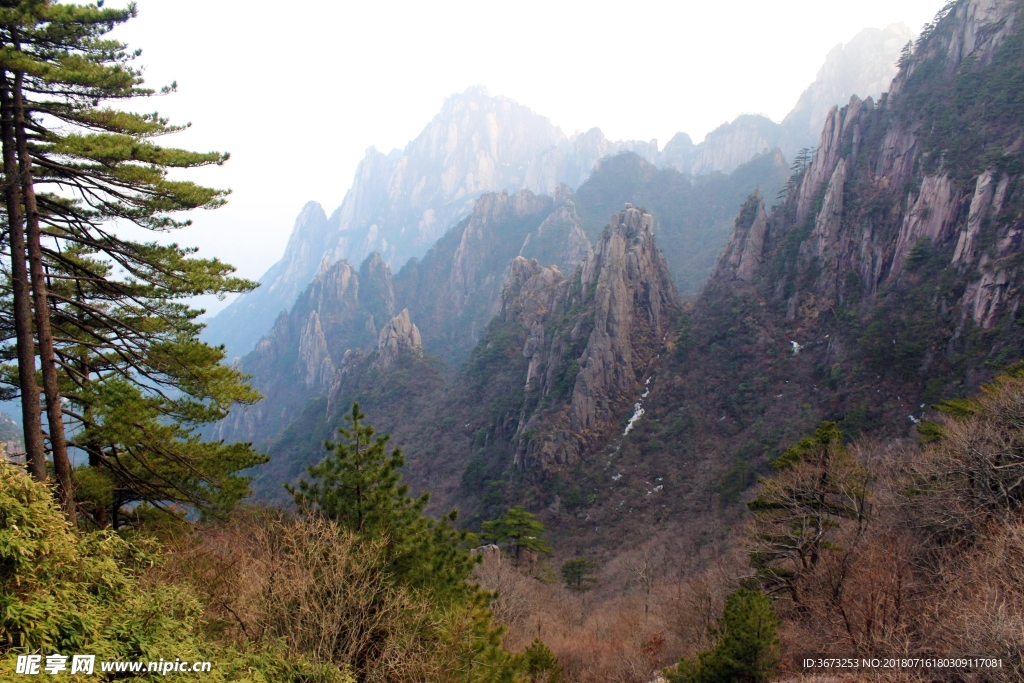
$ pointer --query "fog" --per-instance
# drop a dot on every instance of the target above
(297, 91)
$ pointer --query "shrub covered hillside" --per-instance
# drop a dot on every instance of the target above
(67, 592)
(360, 586)
(902, 549)
(885, 279)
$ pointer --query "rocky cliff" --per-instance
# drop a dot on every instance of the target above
(248, 318)
(298, 359)
(864, 66)
(882, 188)
(455, 291)
(588, 341)
(450, 295)
(401, 203)
(886, 280)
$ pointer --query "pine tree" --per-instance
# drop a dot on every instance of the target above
(800, 508)
(110, 319)
(578, 574)
(519, 529)
(747, 649)
(359, 486)
(541, 664)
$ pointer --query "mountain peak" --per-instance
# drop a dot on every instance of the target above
(864, 66)
(400, 335)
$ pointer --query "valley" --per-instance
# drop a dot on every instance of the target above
(526, 407)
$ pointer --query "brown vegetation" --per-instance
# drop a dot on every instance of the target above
(877, 549)
(269, 576)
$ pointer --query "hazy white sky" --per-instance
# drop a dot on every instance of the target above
(297, 90)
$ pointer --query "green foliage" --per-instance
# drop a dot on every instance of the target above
(359, 486)
(541, 664)
(66, 592)
(578, 574)
(970, 117)
(747, 649)
(801, 508)
(519, 529)
(748, 212)
(809, 448)
(738, 479)
(139, 383)
(857, 420)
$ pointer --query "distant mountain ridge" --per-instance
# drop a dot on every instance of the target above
(400, 203)
(455, 290)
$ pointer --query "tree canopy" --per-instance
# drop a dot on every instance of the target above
(358, 485)
(118, 347)
(519, 529)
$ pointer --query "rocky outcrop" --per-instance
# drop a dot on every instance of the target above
(314, 360)
(456, 289)
(335, 325)
(377, 292)
(930, 217)
(477, 143)
(250, 316)
(571, 161)
(400, 203)
(469, 269)
(865, 66)
(869, 196)
(743, 256)
(589, 339)
(733, 144)
(397, 337)
(307, 346)
(559, 239)
(632, 290)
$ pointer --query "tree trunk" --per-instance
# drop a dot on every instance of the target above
(54, 410)
(30, 411)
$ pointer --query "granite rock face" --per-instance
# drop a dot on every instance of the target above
(306, 347)
(590, 339)
(250, 316)
(400, 203)
(572, 160)
(334, 327)
(456, 289)
(632, 291)
(870, 197)
(745, 252)
(865, 66)
(398, 336)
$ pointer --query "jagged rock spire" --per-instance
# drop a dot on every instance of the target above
(744, 254)
(397, 336)
(631, 282)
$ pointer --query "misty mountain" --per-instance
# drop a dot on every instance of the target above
(401, 203)
(864, 67)
(453, 292)
(887, 278)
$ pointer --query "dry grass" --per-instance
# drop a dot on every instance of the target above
(649, 605)
(268, 575)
